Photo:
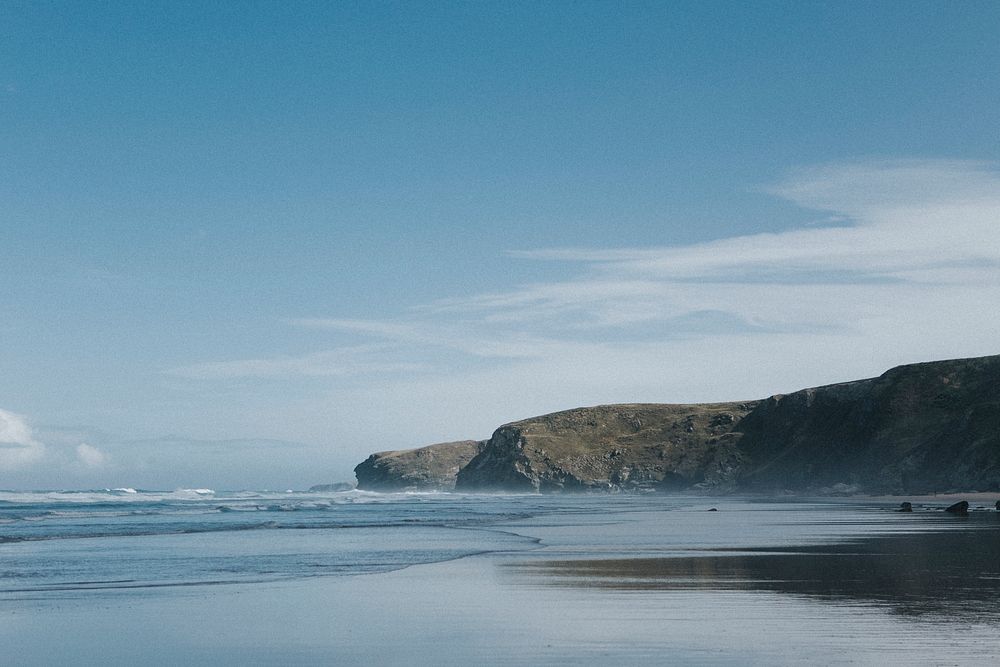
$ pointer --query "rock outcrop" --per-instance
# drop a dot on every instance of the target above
(920, 428)
(961, 508)
(613, 447)
(429, 468)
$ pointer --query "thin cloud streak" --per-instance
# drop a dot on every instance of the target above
(908, 264)
(901, 216)
(912, 226)
(341, 362)
(448, 336)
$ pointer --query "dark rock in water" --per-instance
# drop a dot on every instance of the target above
(905, 507)
(713, 509)
(332, 488)
(998, 506)
(961, 508)
(430, 468)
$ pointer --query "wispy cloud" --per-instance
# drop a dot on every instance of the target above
(904, 265)
(906, 228)
(450, 336)
(900, 219)
(340, 362)
(173, 443)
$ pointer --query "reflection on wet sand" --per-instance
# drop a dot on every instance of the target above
(953, 572)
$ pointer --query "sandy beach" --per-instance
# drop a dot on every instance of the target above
(754, 583)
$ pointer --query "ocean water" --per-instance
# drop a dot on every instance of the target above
(87, 541)
(197, 576)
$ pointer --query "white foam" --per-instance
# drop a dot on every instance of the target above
(128, 494)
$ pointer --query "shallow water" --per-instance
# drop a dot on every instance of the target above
(127, 539)
(355, 578)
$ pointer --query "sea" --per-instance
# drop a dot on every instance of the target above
(198, 576)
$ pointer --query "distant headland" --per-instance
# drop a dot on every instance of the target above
(916, 429)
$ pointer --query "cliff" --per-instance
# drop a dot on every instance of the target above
(920, 428)
(433, 467)
(629, 447)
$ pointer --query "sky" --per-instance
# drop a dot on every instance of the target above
(243, 245)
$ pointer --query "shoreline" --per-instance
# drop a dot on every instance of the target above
(988, 498)
(630, 583)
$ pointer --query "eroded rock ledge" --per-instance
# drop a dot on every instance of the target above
(608, 447)
(430, 468)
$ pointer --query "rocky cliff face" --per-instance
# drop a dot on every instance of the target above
(915, 429)
(920, 428)
(611, 447)
(433, 467)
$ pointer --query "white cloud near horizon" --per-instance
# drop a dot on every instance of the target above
(904, 267)
(23, 448)
(82, 457)
(18, 446)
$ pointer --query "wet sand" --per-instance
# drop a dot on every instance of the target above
(951, 576)
(985, 499)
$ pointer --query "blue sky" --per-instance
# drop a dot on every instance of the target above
(246, 244)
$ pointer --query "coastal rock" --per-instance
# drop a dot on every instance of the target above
(916, 429)
(430, 468)
(961, 508)
(332, 488)
(635, 447)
